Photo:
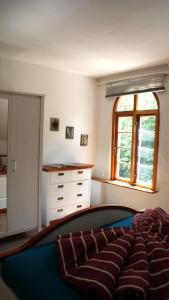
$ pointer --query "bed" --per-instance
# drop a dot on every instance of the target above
(32, 271)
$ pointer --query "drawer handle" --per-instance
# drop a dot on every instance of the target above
(61, 174)
(60, 210)
(79, 183)
(60, 186)
(79, 195)
(80, 172)
(60, 198)
(79, 206)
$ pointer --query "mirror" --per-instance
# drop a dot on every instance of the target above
(3, 163)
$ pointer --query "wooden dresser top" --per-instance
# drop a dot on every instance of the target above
(66, 167)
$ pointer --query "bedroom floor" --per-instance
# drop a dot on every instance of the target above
(11, 242)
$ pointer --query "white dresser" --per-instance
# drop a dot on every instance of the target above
(65, 190)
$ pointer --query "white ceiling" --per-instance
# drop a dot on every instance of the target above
(90, 37)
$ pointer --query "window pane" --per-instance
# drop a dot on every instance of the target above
(123, 171)
(125, 124)
(146, 156)
(124, 140)
(144, 174)
(148, 123)
(124, 155)
(126, 103)
(147, 132)
(124, 147)
(147, 139)
(146, 101)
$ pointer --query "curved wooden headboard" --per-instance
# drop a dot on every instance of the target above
(85, 219)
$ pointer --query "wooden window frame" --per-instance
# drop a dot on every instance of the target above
(136, 114)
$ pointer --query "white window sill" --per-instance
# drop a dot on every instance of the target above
(124, 184)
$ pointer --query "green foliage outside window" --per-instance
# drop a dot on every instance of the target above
(145, 150)
(145, 174)
(147, 101)
(125, 124)
(124, 140)
(124, 171)
(125, 155)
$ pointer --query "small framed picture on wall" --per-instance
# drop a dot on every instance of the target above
(54, 124)
(83, 139)
(69, 134)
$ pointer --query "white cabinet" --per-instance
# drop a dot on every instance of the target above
(24, 162)
(64, 192)
(20, 187)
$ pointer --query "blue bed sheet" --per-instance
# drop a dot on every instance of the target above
(34, 274)
(127, 222)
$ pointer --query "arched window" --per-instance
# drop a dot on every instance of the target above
(135, 139)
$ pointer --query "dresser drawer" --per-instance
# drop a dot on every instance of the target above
(62, 188)
(62, 211)
(68, 188)
(80, 186)
(81, 174)
(68, 199)
(81, 196)
(82, 205)
(61, 200)
(66, 176)
(62, 176)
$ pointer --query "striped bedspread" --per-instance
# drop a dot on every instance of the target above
(112, 263)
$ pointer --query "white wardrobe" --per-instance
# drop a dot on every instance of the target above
(23, 162)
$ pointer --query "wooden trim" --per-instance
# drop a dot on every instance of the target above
(136, 150)
(125, 184)
(122, 179)
(117, 115)
(3, 173)
(124, 113)
(114, 120)
(133, 149)
(42, 234)
(3, 210)
(146, 112)
(145, 187)
(155, 158)
(115, 146)
(52, 168)
(137, 112)
(136, 117)
(156, 144)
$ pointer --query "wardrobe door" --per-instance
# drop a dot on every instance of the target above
(23, 162)
(3, 162)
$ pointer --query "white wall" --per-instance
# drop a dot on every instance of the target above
(120, 195)
(72, 98)
(69, 97)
